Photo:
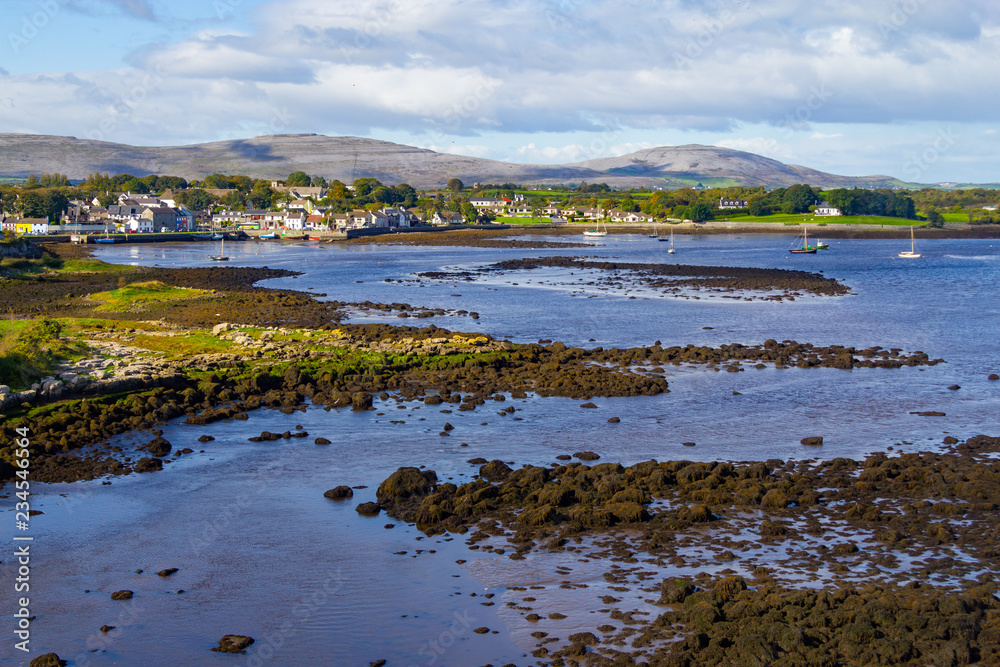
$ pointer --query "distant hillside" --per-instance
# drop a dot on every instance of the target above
(347, 158)
(712, 165)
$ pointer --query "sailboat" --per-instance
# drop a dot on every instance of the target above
(805, 248)
(912, 252)
(654, 235)
(221, 257)
(670, 250)
(107, 237)
(597, 231)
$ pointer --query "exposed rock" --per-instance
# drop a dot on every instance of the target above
(587, 456)
(47, 660)
(339, 493)
(322, 441)
(233, 644)
(812, 441)
(369, 509)
(148, 465)
(167, 572)
(494, 471)
(122, 595)
(158, 446)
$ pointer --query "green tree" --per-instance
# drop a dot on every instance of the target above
(261, 196)
(455, 185)
(195, 199)
(405, 194)
(32, 183)
(757, 208)
(56, 204)
(318, 182)
(798, 199)
(364, 186)
(33, 205)
(468, 212)
(234, 201)
(700, 212)
(298, 179)
(935, 219)
(135, 186)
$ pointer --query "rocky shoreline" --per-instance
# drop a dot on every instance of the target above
(675, 279)
(886, 561)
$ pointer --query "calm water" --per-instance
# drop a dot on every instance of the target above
(261, 552)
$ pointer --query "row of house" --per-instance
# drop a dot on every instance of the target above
(322, 220)
(22, 226)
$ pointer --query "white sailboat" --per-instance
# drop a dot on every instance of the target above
(597, 231)
(912, 252)
(670, 250)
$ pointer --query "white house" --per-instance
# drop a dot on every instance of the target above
(295, 221)
(447, 218)
(826, 209)
(733, 203)
(140, 225)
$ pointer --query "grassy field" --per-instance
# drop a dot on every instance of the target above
(809, 220)
(139, 295)
(47, 265)
(28, 348)
(523, 221)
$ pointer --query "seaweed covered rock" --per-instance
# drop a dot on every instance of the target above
(494, 471)
(401, 493)
(158, 446)
(234, 644)
(47, 660)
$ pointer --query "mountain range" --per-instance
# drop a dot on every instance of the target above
(348, 158)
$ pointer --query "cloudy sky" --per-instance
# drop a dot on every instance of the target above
(907, 88)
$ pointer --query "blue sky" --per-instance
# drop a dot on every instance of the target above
(902, 88)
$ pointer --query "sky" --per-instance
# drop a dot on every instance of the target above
(906, 89)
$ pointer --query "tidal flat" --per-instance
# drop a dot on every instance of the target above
(577, 474)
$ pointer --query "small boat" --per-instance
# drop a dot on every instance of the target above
(221, 257)
(292, 235)
(201, 237)
(218, 237)
(271, 235)
(805, 248)
(912, 252)
(597, 231)
(822, 246)
(315, 238)
(107, 237)
(654, 235)
(670, 250)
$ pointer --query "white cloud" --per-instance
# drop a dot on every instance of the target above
(445, 69)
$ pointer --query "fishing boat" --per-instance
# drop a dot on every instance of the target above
(912, 252)
(221, 257)
(597, 231)
(805, 248)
